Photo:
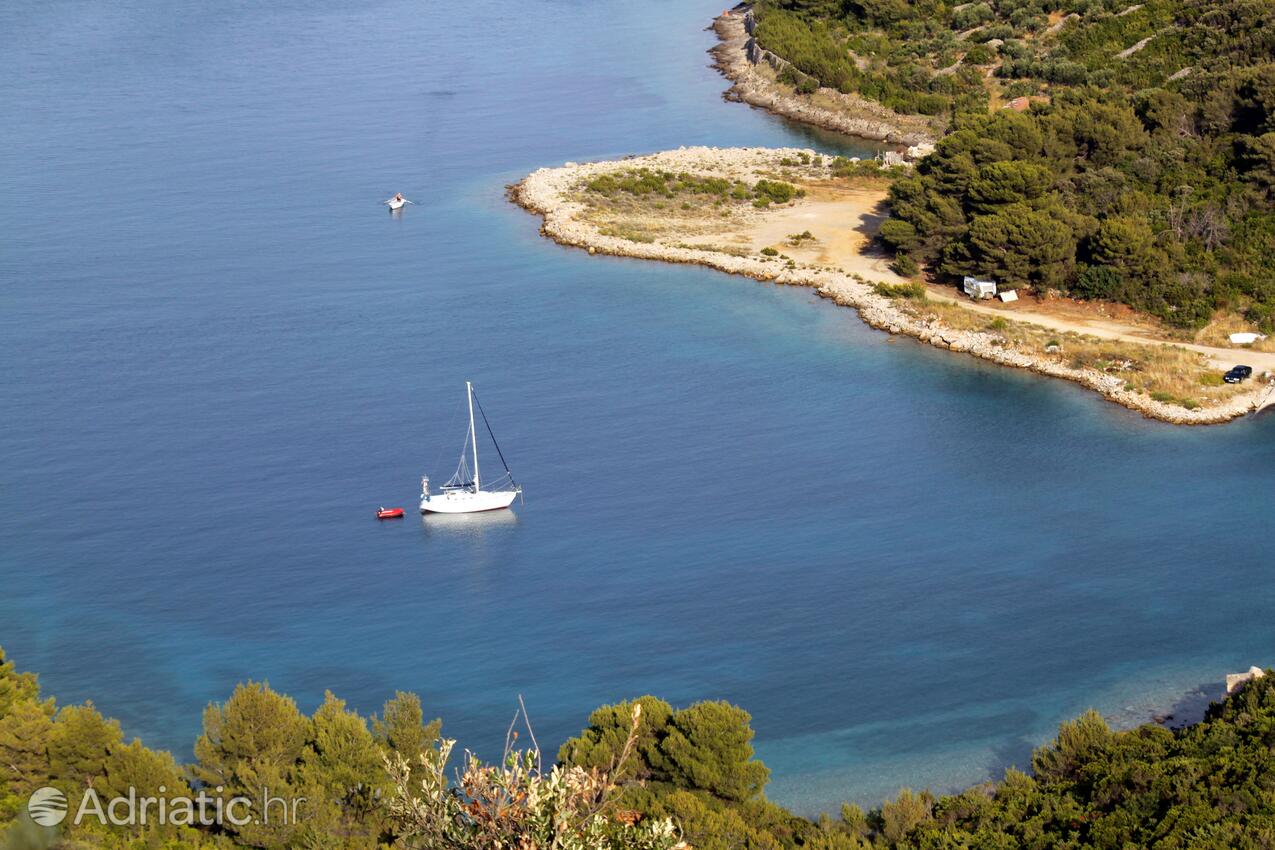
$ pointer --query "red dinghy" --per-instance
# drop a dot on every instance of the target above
(389, 513)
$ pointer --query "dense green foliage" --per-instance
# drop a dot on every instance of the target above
(694, 765)
(679, 774)
(1153, 203)
(257, 738)
(1145, 173)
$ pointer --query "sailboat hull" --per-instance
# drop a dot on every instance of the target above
(467, 502)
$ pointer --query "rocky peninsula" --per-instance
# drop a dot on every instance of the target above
(793, 217)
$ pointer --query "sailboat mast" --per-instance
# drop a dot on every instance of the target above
(473, 437)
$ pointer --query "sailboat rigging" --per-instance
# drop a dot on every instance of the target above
(463, 493)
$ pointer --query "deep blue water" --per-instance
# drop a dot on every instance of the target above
(220, 354)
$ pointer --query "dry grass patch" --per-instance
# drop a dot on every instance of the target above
(717, 248)
(1165, 373)
(681, 208)
(1218, 332)
(630, 230)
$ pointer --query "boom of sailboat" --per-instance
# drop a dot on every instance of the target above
(464, 492)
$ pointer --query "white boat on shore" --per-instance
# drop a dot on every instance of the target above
(463, 493)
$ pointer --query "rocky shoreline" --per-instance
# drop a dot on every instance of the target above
(743, 62)
(549, 192)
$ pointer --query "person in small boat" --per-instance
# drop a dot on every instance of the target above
(399, 197)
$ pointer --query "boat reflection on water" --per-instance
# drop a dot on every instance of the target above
(477, 525)
(475, 547)
(477, 543)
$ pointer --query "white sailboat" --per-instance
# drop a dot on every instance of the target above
(463, 493)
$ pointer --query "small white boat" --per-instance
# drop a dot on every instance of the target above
(396, 203)
(464, 493)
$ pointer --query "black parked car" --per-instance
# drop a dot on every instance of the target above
(1237, 374)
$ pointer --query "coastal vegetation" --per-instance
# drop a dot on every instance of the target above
(1095, 198)
(642, 182)
(1137, 165)
(642, 775)
(914, 290)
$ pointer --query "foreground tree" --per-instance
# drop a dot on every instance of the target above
(252, 746)
(402, 729)
(600, 744)
(709, 747)
(342, 780)
(15, 687)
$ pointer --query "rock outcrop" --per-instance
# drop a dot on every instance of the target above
(1235, 681)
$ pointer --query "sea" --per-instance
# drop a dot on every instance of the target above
(221, 353)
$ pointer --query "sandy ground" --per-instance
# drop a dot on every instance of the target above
(843, 226)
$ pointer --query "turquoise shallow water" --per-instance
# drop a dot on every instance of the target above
(221, 354)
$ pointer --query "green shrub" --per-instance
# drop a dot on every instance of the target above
(906, 266)
(899, 235)
(603, 183)
(775, 190)
(979, 55)
(914, 290)
(1211, 379)
(972, 15)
